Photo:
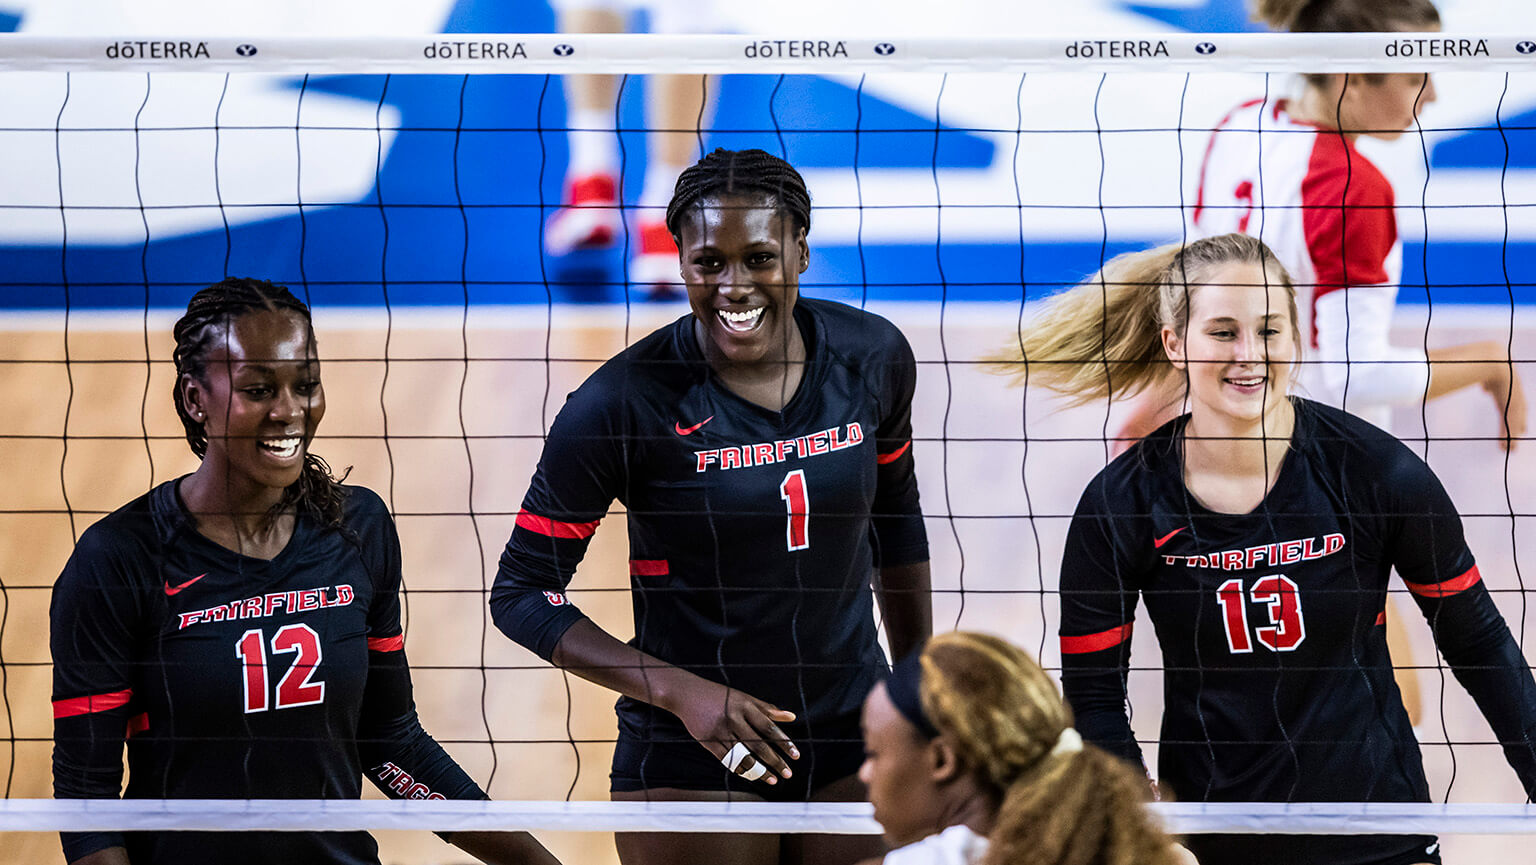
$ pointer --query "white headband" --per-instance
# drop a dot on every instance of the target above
(1069, 742)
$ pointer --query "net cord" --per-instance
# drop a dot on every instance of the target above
(844, 818)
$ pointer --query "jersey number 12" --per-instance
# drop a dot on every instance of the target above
(295, 688)
(1285, 630)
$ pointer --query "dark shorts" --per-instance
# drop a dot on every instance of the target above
(1314, 849)
(654, 750)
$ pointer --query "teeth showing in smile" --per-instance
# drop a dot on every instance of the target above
(282, 448)
(1247, 382)
(741, 321)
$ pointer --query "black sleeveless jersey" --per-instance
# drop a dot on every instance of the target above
(237, 678)
(1277, 682)
(753, 533)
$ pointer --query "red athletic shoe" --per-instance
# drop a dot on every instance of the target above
(655, 266)
(588, 220)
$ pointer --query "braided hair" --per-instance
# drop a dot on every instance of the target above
(210, 315)
(740, 172)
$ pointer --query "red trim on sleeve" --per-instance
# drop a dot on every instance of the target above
(1446, 588)
(1381, 617)
(555, 528)
(649, 568)
(386, 644)
(893, 456)
(1347, 215)
(1096, 642)
(91, 704)
(138, 723)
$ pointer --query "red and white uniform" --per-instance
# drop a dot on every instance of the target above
(1328, 213)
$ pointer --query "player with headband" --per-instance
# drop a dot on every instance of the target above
(762, 446)
(973, 760)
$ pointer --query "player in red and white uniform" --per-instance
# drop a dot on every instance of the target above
(240, 626)
(1289, 172)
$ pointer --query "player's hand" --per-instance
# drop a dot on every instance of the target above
(1509, 398)
(720, 718)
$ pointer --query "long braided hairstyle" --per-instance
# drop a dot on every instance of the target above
(740, 172)
(210, 315)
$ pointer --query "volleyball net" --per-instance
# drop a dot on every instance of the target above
(406, 189)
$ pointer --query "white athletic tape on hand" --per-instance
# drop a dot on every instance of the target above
(737, 755)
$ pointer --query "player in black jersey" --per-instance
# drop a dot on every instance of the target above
(1260, 530)
(240, 626)
(762, 447)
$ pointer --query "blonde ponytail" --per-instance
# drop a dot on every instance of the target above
(1103, 339)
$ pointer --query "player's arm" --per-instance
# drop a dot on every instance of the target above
(582, 470)
(398, 755)
(903, 582)
(1432, 557)
(1098, 610)
(92, 619)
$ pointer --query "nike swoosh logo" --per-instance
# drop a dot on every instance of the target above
(689, 430)
(172, 590)
(1158, 544)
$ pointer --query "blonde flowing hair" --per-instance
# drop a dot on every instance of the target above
(1059, 806)
(1103, 338)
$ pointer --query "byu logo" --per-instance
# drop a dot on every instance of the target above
(564, 50)
(246, 50)
(1205, 48)
(885, 49)
(1526, 47)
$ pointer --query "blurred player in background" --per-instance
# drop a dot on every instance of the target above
(241, 625)
(762, 446)
(1261, 531)
(972, 760)
(1328, 213)
(591, 216)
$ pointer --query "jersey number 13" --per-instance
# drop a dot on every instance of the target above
(1286, 628)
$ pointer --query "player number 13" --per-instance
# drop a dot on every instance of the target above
(1286, 628)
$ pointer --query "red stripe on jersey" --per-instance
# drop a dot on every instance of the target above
(1096, 642)
(1347, 217)
(1381, 617)
(88, 705)
(1446, 588)
(138, 723)
(386, 644)
(1210, 144)
(648, 568)
(893, 456)
(555, 528)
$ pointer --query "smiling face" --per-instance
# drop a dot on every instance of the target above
(741, 259)
(1239, 345)
(899, 771)
(259, 400)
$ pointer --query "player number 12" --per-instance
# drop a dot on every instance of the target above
(295, 688)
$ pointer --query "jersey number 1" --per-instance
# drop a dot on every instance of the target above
(1285, 630)
(295, 688)
(797, 502)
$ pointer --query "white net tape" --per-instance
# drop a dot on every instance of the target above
(1183, 818)
(647, 53)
